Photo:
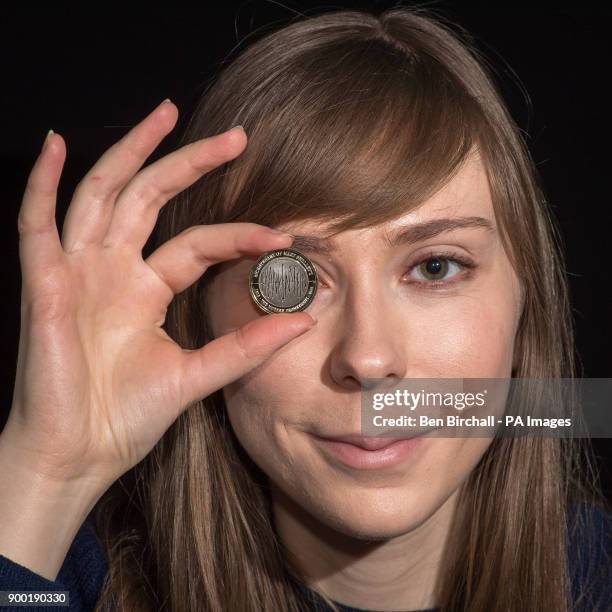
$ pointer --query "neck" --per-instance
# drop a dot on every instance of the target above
(395, 573)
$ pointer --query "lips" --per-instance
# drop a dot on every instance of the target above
(360, 453)
(366, 442)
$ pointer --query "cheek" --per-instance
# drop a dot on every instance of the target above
(253, 423)
(474, 338)
(263, 408)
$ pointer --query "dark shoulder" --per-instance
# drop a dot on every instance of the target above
(590, 556)
(85, 566)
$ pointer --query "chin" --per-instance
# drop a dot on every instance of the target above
(373, 515)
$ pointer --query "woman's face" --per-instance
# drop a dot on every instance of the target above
(377, 318)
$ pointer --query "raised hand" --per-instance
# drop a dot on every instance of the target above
(98, 381)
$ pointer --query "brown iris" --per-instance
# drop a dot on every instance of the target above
(434, 268)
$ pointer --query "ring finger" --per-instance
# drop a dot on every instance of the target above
(90, 212)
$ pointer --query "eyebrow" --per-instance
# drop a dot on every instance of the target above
(404, 235)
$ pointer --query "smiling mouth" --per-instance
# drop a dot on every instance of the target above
(371, 443)
(368, 452)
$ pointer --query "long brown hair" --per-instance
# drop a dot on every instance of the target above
(353, 119)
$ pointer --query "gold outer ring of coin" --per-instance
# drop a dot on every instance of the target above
(260, 299)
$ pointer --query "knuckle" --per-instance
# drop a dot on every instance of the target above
(30, 188)
(46, 296)
(145, 191)
(22, 224)
(25, 226)
(131, 149)
(244, 350)
(46, 307)
(204, 158)
(96, 187)
(194, 239)
(193, 229)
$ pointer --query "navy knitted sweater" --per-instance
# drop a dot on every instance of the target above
(85, 566)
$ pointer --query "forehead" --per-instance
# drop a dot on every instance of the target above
(464, 201)
(466, 194)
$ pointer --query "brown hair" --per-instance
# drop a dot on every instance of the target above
(353, 119)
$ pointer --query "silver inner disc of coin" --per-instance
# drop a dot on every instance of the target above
(283, 282)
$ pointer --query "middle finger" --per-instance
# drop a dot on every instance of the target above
(138, 205)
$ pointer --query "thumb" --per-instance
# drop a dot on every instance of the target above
(227, 358)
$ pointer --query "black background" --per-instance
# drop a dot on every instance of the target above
(92, 74)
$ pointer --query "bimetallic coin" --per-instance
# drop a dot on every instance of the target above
(283, 280)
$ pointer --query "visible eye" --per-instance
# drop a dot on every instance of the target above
(435, 266)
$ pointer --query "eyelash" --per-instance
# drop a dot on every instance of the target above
(464, 262)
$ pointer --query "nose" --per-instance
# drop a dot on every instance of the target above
(370, 342)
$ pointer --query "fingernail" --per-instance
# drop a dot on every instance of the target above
(165, 101)
(238, 126)
(47, 138)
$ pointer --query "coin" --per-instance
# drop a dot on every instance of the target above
(283, 280)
